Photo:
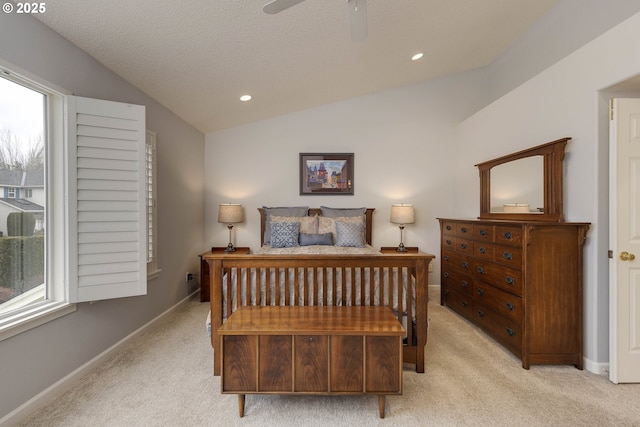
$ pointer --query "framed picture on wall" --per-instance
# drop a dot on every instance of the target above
(326, 173)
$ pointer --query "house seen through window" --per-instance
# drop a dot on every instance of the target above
(22, 195)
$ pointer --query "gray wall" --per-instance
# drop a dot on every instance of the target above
(38, 358)
(568, 26)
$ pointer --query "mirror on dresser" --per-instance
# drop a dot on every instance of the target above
(526, 185)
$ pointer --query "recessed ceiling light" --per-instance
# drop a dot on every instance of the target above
(417, 56)
(245, 98)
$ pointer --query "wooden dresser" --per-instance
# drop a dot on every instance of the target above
(520, 281)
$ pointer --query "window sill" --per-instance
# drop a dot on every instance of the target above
(32, 317)
(153, 274)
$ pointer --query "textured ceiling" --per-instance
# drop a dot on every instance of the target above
(197, 57)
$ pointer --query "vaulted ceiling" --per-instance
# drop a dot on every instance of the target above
(197, 57)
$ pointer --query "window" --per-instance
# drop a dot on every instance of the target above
(23, 109)
(85, 174)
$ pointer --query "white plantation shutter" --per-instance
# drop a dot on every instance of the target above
(106, 200)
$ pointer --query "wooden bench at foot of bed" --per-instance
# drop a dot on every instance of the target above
(315, 281)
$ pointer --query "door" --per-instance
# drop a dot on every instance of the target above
(624, 241)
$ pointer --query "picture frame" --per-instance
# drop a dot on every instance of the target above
(326, 173)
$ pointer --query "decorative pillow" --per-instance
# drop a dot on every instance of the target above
(342, 212)
(349, 234)
(284, 234)
(316, 239)
(308, 224)
(283, 211)
(328, 225)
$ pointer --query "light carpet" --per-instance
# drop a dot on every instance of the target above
(165, 378)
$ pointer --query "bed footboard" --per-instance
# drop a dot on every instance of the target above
(399, 281)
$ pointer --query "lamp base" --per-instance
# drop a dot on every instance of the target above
(230, 247)
(401, 248)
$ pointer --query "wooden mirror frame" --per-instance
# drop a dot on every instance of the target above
(553, 155)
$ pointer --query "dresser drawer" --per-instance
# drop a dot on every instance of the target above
(464, 230)
(464, 246)
(449, 241)
(453, 260)
(501, 302)
(458, 302)
(483, 233)
(511, 236)
(458, 244)
(449, 228)
(484, 250)
(504, 330)
(505, 278)
(457, 281)
(509, 256)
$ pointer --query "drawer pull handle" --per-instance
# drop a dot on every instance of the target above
(510, 331)
(483, 250)
(465, 264)
(310, 339)
(446, 257)
(449, 227)
(480, 313)
(483, 232)
(510, 280)
(507, 255)
(510, 306)
(446, 291)
(463, 229)
(507, 235)
(465, 303)
(480, 291)
(463, 245)
(464, 284)
(448, 242)
(446, 275)
(480, 270)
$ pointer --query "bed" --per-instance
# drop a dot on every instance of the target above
(328, 272)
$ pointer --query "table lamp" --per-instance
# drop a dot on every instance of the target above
(230, 214)
(402, 214)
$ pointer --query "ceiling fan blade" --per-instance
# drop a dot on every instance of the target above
(277, 6)
(358, 19)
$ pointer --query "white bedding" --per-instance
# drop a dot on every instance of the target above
(318, 250)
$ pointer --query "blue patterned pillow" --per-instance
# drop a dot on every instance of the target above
(284, 234)
(349, 234)
(325, 239)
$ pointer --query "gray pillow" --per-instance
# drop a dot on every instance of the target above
(284, 234)
(280, 211)
(349, 234)
(337, 212)
(315, 239)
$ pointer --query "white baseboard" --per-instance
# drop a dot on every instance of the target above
(62, 385)
(597, 368)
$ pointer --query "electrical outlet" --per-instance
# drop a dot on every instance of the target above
(189, 277)
(430, 269)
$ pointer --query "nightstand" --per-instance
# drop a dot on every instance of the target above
(204, 268)
(392, 250)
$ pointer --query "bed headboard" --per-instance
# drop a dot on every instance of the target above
(317, 211)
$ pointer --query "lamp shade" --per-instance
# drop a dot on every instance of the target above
(402, 214)
(230, 213)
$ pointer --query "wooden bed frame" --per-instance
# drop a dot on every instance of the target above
(416, 263)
